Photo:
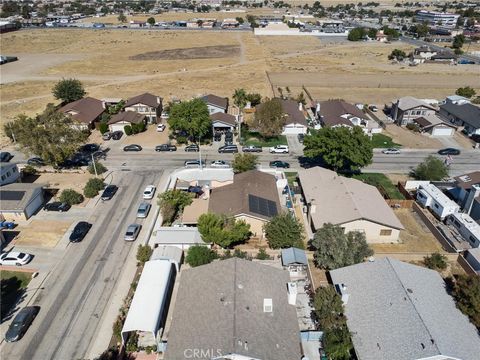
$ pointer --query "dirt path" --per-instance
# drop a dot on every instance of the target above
(242, 57)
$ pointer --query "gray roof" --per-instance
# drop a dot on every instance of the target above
(221, 306)
(178, 235)
(468, 113)
(131, 117)
(409, 102)
(339, 112)
(17, 196)
(171, 253)
(399, 311)
(216, 101)
(293, 256)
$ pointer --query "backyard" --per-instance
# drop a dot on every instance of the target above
(383, 183)
(13, 285)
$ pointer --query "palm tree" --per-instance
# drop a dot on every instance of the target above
(240, 98)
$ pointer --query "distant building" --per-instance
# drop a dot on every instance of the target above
(443, 19)
(463, 114)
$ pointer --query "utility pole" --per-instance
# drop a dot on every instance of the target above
(94, 166)
(200, 153)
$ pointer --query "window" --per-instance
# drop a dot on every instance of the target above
(457, 224)
(385, 232)
(436, 206)
(8, 173)
(3, 177)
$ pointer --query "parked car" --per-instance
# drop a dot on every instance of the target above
(192, 148)
(143, 210)
(89, 148)
(56, 206)
(300, 138)
(252, 148)
(165, 147)
(164, 115)
(21, 322)
(391, 151)
(228, 149)
(449, 151)
(117, 135)
(161, 127)
(15, 258)
(217, 136)
(107, 136)
(195, 190)
(109, 191)
(279, 149)
(132, 147)
(228, 136)
(219, 164)
(79, 231)
(5, 156)
(475, 137)
(132, 232)
(193, 163)
(279, 164)
(149, 192)
(35, 161)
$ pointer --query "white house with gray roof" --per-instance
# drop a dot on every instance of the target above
(408, 108)
(399, 311)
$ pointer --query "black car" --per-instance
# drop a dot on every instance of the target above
(21, 323)
(217, 136)
(57, 206)
(192, 148)
(165, 147)
(133, 147)
(89, 148)
(300, 138)
(79, 231)
(5, 156)
(228, 149)
(252, 148)
(475, 137)
(35, 161)
(279, 164)
(229, 136)
(117, 135)
(109, 191)
(449, 151)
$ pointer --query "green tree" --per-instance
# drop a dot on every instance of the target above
(71, 197)
(143, 253)
(240, 98)
(200, 255)
(372, 33)
(301, 99)
(328, 307)
(244, 162)
(357, 34)
(432, 169)
(254, 98)
(103, 127)
(222, 230)
(338, 343)
(397, 55)
(458, 41)
(341, 148)
(151, 21)
(284, 231)
(98, 166)
(122, 18)
(466, 91)
(68, 90)
(262, 255)
(49, 135)
(128, 130)
(191, 116)
(240, 20)
(435, 261)
(269, 118)
(466, 292)
(334, 248)
(92, 187)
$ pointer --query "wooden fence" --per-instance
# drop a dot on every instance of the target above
(404, 192)
(465, 265)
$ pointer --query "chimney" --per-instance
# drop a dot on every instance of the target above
(158, 100)
(292, 293)
(472, 194)
(103, 104)
(317, 109)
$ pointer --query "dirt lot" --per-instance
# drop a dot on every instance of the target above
(148, 139)
(61, 181)
(206, 52)
(410, 139)
(43, 233)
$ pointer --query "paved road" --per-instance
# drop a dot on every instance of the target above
(77, 291)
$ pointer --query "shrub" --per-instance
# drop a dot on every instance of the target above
(262, 255)
(71, 197)
(138, 128)
(143, 253)
(128, 130)
(92, 187)
(199, 255)
(413, 127)
(99, 166)
(435, 261)
(181, 140)
(29, 170)
(103, 127)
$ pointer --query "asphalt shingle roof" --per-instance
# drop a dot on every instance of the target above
(85, 110)
(333, 110)
(216, 101)
(127, 116)
(468, 113)
(146, 99)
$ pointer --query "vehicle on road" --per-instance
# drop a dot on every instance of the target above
(161, 127)
(192, 148)
(15, 258)
(391, 151)
(149, 192)
(279, 164)
(449, 151)
(165, 147)
(57, 206)
(35, 161)
(252, 148)
(219, 164)
(132, 232)
(279, 149)
(230, 149)
(21, 322)
(193, 163)
(132, 147)
(5, 156)
(143, 210)
(117, 135)
(109, 191)
(79, 231)
(107, 135)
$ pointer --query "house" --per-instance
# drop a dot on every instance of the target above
(444, 57)
(19, 201)
(124, 118)
(406, 109)
(295, 261)
(467, 227)
(253, 197)
(462, 114)
(467, 193)
(234, 309)
(229, 23)
(431, 197)
(434, 125)
(181, 237)
(473, 258)
(84, 112)
(424, 52)
(399, 311)
(147, 104)
(215, 104)
(349, 203)
(148, 310)
(381, 36)
(8, 173)
(222, 122)
(294, 117)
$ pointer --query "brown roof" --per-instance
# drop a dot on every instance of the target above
(332, 111)
(85, 110)
(224, 118)
(127, 116)
(216, 101)
(466, 181)
(234, 199)
(428, 121)
(146, 99)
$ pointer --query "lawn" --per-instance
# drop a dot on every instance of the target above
(381, 181)
(254, 138)
(383, 141)
(13, 285)
(291, 177)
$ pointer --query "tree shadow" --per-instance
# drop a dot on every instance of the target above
(11, 294)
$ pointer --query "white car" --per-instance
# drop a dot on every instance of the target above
(219, 164)
(391, 151)
(15, 258)
(279, 149)
(149, 192)
(160, 127)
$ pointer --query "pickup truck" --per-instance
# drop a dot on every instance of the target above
(7, 59)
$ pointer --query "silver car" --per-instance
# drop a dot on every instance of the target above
(132, 232)
(143, 210)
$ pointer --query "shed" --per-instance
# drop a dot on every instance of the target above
(295, 260)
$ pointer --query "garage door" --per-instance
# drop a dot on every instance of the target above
(442, 131)
(293, 130)
(117, 127)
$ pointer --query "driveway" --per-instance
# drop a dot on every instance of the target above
(294, 145)
(448, 141)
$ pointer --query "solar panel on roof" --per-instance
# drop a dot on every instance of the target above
(262, 206)
(11, 195)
